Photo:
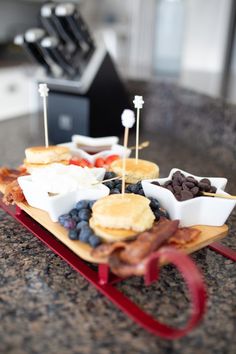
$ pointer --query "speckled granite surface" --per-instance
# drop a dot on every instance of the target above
(46, 307)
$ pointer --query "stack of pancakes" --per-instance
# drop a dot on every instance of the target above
(41, 156)
(136, 171)
(119, 217)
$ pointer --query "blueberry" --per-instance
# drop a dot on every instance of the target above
(109, 175)
(117, 182)
(109, 184)
(73, 235)
(164, 213)
(82, 204)
(84, 214)
(139, 184)
(75, 217)
(85, 233)
(157, 214)
(94, 241)
(127, 191)
(141, 192)
(69, 224)
(91, 203)
(154, 204)
(63, 218)
(115, 191)
(134, 188)
(81, 224)
(128, 188)
(73, 212)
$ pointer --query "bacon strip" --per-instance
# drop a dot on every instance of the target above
(183, 236)
(148, 242)
(130, 257)
(12, 191)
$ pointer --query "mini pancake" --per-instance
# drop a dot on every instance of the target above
(136, 172)
(118, 217)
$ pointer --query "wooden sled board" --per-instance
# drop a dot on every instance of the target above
(208, 235)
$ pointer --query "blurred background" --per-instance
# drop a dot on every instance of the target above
(188, 42)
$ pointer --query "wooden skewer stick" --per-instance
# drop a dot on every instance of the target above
(107, 180)
(141, 146)
(218, 195)
(126, 135)
(128, 120)
(43, 90)
(138, 104)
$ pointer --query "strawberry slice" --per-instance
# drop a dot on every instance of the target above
(80, 162)
(111, 158)
(85, 163)
(99, 162)
(74, 161)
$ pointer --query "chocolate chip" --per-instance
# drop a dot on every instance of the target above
(195, 190)
(190, 179)
(189, 184)
(167, 183)
(204, 186)
(185, 195)
(178, 197)
(213, 189)
(177, 189)
(156, 183)
(185, 187)
(176, 174)
(170, 188)
(205, 180)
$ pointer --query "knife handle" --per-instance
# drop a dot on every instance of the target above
(51, 46)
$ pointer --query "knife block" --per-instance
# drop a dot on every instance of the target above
(90, 105)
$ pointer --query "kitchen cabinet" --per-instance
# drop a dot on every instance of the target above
(17, 91)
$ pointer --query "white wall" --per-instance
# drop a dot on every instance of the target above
(205, 35)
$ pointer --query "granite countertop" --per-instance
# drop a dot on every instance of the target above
(46, 307)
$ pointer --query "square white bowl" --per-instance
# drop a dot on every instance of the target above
(203, 210)
(59, 204)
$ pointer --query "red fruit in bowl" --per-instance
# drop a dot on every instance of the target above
(80, 162)
(99, 162)
(85, 163)
(74, 161)
(111, 158)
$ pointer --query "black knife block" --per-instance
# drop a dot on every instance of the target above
(95, 111)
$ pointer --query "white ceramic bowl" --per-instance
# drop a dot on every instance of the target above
(116, 149)
(197, 211)
(59, 204)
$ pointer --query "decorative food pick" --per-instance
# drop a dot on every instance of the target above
(138, 104)
(219, 195)
(43, 90)
(128, 120)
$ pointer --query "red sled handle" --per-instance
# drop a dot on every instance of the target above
(195, 285)
(185, 265)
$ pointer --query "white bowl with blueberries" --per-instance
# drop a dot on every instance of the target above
(181, 195)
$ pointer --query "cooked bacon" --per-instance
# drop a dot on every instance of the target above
(125, 270)
(13, 193)
(146, 242)
(130, 257)
(105, 249)
(8, 180)
(8, 175)
(183, 236)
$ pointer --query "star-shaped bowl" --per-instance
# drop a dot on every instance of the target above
(212, 211)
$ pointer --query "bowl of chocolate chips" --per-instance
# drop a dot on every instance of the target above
(182, 195)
